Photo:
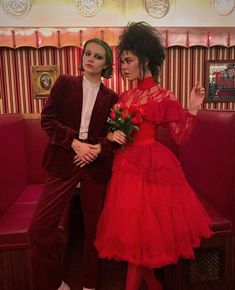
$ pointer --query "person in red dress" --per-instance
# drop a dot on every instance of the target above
(151, 216)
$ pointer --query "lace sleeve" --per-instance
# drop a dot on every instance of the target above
(181, 130)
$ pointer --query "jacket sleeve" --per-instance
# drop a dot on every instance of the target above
(108, 147)
(52, 115)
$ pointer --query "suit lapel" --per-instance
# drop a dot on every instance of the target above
(98, 109)
(77, 93)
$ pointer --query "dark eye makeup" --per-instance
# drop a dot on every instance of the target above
(96, 55)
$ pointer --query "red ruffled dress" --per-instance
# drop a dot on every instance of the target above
(151, 215)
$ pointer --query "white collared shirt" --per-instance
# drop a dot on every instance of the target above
(90, 92)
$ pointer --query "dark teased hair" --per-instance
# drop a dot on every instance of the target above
(146, 43)
(107, 72)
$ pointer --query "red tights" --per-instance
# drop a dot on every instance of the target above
(135, 276)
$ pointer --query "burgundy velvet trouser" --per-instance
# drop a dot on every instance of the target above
(43, 231)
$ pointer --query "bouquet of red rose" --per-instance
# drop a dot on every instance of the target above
(125, 118)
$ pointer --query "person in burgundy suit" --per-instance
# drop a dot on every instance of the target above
(75, 120)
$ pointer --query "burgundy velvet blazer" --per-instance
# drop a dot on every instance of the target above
(61, 118)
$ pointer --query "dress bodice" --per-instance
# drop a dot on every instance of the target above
(146, 134)
(159, 107)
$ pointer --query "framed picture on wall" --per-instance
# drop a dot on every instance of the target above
(220, 81)
(43, 78)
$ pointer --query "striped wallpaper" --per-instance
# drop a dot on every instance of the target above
(182, 68)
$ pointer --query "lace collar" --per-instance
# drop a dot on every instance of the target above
(147, 83)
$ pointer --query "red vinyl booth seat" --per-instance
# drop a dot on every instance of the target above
(208, 160)
(21, 179)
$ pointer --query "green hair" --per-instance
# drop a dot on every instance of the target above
(107, 72)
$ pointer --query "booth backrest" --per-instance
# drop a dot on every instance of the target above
(36, 141)
(22, 146)
(208, 160)
(13, 176)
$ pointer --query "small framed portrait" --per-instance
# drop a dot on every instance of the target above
(220, 81)
(43, 78)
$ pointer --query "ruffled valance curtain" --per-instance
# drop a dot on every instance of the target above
(62, 37)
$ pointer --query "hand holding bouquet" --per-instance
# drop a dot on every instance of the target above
(125, 118)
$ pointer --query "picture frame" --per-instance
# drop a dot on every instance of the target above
(220, 81)
(43, 79)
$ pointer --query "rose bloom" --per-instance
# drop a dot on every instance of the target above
(113, 115)
(124, 114)
(136, 120)
(134, 109)
(119, 106)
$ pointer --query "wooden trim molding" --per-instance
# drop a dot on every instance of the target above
(31, 116)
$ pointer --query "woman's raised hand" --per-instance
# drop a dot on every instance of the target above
(196, 98)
